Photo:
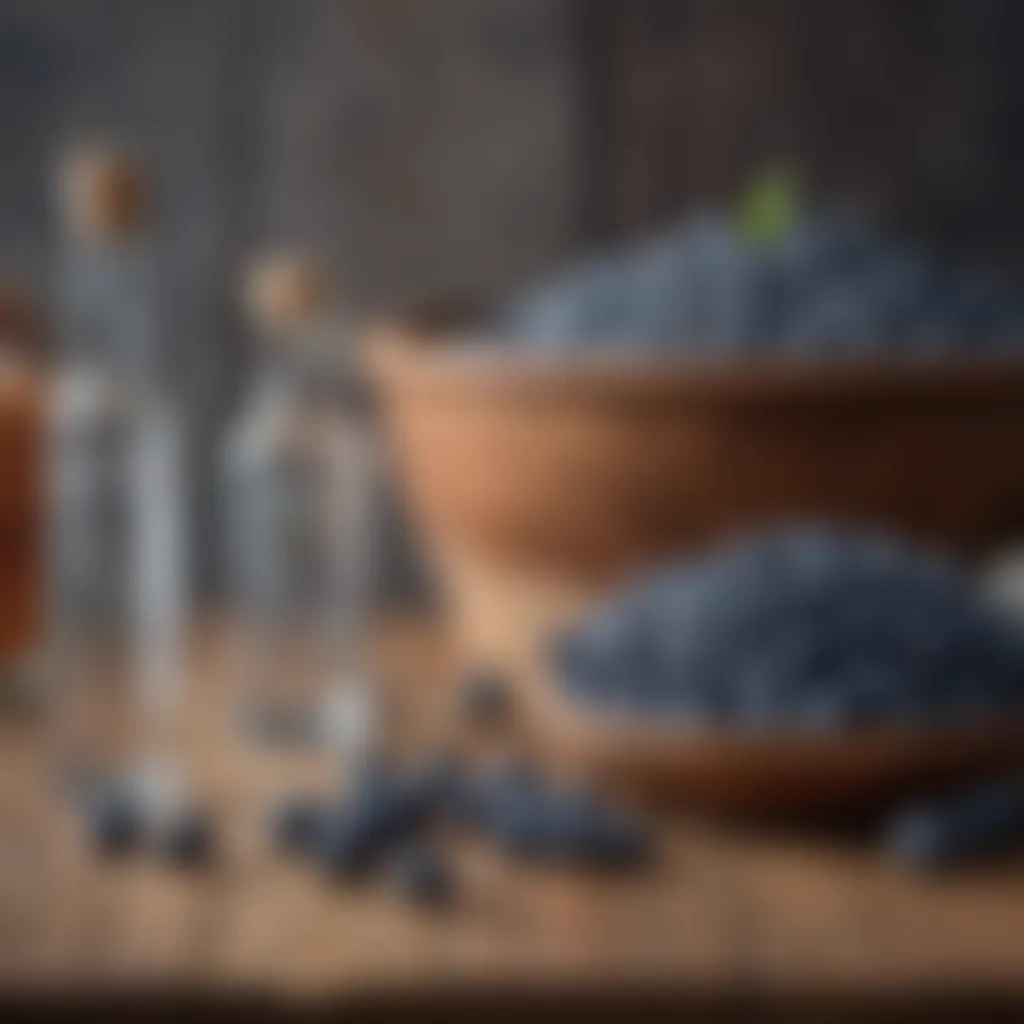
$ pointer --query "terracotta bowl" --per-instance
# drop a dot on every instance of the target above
(584, 469)
(769, 774)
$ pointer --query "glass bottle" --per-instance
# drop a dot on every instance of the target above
(300, 475)
(117, 590)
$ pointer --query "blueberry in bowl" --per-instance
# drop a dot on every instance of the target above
(802, 663)
(641, 397)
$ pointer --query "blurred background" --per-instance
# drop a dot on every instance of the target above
(473, 147)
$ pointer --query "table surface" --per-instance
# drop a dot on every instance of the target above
(723, 910)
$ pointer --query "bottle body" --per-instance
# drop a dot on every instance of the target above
(90, 571)
(116, 574)
(300, 479)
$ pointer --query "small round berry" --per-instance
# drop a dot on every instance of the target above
(115, 821)
(423, 877)
(186, 839)
(293, 824)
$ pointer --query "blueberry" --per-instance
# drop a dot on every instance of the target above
(423, 877)
(382, 808)
(983, 821)
(821, 629)
(371, 772)
(293, 824)
(518, 822)
(115, 820)
(832, 288)
(515, 774)
(501, 802)
(186, 838)
(395, 810)
(469, 802)
(535, 820)
(351, 838)
(438, 783)
(567, 825)
(616, 841)
(345, 844)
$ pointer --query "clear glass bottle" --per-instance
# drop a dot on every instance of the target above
(116, 581)
(300, 479)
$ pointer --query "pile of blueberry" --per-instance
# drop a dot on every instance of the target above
(829, 288)
(800, 627)
(390, 817)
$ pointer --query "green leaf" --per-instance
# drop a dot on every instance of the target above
(769, 207)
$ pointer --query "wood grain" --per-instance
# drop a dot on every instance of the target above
(723, 911)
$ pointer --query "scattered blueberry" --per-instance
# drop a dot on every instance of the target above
(115, 820)
(346, 843)
(371, 771)
(602, 836)
(536, 819)
(515, 774)
(572, 827)
(186, 838)
(518, 818)
(439, 784)
(294, 822)
(467, 801)
(422, 876)
(512, 804)
(984, 821)
(382, 807)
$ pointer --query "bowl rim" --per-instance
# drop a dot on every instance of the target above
(404, 356)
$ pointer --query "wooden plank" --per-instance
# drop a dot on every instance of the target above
(721, 912)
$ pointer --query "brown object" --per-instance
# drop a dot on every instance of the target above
(105, 193)
(773, 919)
(774, 774)
(535, 481)
(507, 619)
(21, 477)
(284, 291)
(585, 469)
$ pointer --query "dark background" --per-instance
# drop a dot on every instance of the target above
(472, 145)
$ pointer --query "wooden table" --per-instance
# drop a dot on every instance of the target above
(724, 919)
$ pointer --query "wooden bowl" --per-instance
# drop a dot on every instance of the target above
(583, 469)
(768, 774)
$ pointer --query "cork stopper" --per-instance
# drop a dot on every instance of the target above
(285, 291)
(104, 193)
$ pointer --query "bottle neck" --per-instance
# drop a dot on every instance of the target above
(316, 365)
(107, 307)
